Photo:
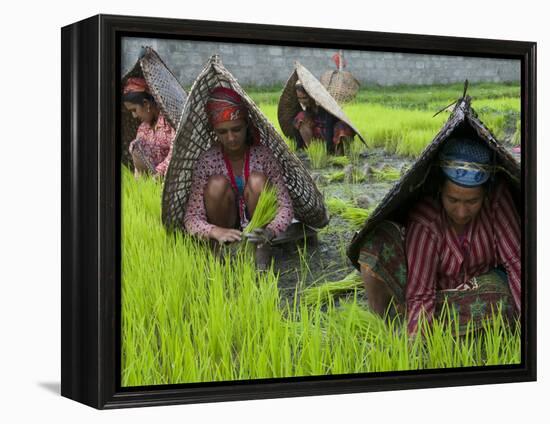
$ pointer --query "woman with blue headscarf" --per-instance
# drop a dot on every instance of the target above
(461, 245)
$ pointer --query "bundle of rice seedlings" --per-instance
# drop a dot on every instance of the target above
(317, 153)
(266, 209)
(354, 149)
(356, 216)
(337, 176)
(340, 161)
(336, 205)
(386, 173)
(322, 293)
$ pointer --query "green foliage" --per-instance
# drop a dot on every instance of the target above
(266, 209)
(322, 293)
(356, 216)
(317, 154)
(340, 161)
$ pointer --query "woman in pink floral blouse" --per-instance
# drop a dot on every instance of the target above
(151, 149)
(229, 177)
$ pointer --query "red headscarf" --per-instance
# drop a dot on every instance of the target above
(225, 104)
(136, 85)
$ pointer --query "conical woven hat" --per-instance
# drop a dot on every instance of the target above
(195, 136)
(396, 204)
(341, 85)
(165, 89)
(289, 106)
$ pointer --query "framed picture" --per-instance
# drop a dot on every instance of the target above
(253, 211)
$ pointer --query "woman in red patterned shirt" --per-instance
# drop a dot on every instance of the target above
(462, 246)
(229, 177)
(151, 149)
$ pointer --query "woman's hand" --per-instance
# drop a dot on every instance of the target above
(225, 235)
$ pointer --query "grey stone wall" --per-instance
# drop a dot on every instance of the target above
(270, 65)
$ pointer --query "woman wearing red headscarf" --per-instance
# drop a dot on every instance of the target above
(229, 177)
(152, 147)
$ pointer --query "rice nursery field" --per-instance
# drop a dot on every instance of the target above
(190, 314)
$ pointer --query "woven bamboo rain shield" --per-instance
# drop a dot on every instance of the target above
(462, 121)
(289, 106)
(195, 136)
(341, 84)
(165, 89)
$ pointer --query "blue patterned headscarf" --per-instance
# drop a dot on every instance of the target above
(465, 162)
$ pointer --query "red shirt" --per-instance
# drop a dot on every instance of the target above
(439, 260)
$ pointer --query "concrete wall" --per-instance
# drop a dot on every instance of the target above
(270, 65)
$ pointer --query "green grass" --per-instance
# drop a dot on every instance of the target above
(266, 209)
(317, 154)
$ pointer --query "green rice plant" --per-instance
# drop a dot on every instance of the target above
(496, 122)
(291, 143)
(317, 154)
(386, 127)
(516, 138)
(266, 209)
(336, 206)
(356, 216)
(353, 150)
(319, 294)
(337, 176)
(386, 173)
(340, 161)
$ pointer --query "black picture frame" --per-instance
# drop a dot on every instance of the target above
(91, 210)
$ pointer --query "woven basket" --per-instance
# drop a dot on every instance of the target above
(397, 203)
(195, 136)
(289, 106)
(165, 89)
(341, 85)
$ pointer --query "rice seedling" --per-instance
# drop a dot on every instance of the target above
(386, 173)
(356, 216)
(317, 154)
(340, 161)
(319, 294)
(353, 150)
(337, 176)
(266, 209)
(291, 143)
(516, 138)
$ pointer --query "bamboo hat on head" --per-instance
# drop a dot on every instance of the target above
(151, 75)
(289, 105)
(463, 124)
(195, 135)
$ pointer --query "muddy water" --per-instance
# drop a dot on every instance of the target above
(326, 258)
